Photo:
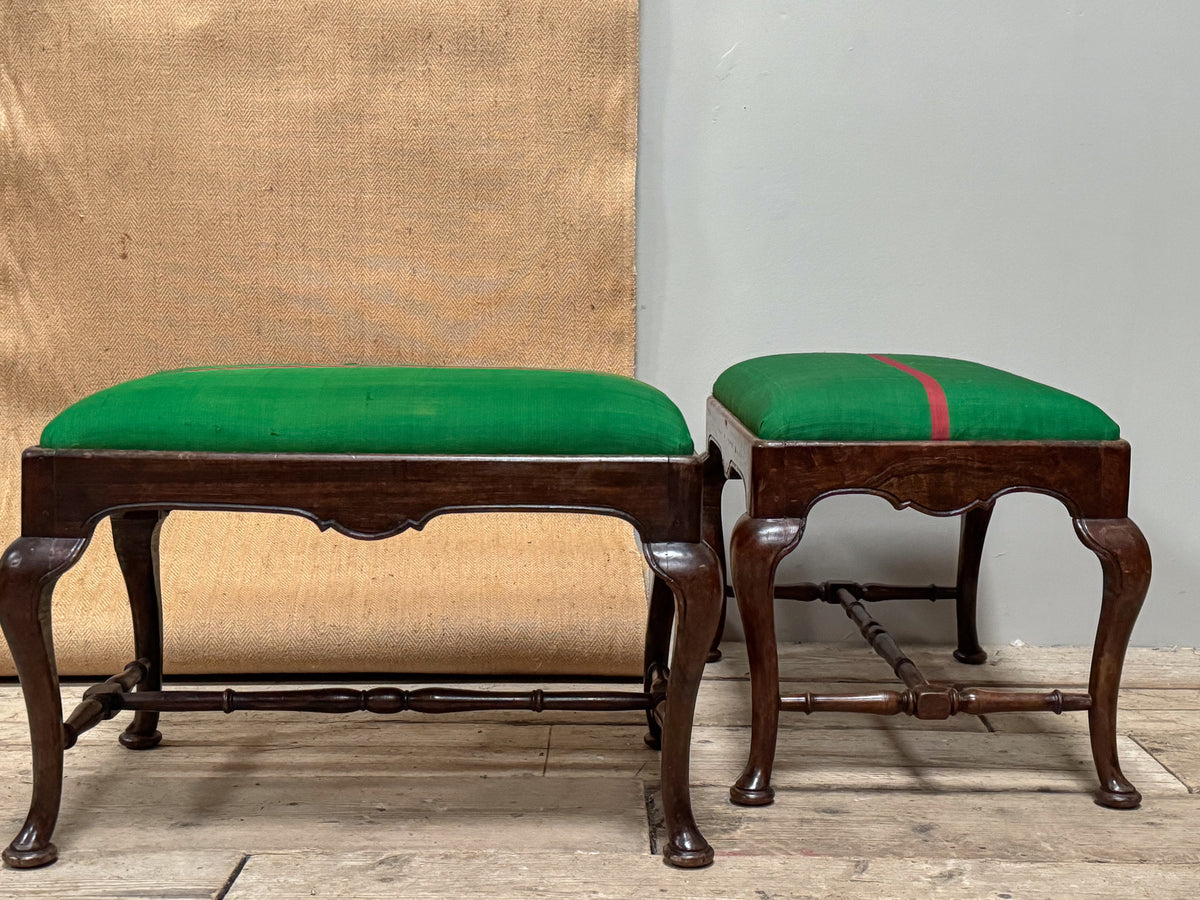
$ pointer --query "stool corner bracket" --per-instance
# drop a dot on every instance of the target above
(39, 559)
(1119, 543)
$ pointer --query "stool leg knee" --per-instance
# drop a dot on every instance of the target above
(970, 555)
(28, 571)
(135, 539)
(1125, 559)
(756, 548)
(692, 572)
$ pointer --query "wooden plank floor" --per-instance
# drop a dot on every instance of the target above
(262, 805)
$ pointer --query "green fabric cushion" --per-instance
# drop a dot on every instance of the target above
(377, 409)
(856, 397)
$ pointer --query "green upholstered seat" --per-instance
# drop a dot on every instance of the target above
(863, 397)
(377, 409)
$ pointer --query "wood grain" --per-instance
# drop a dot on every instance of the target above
(631, 877)
(870, 827)
(1172, 738)
(116, 874)
(419, 749)
(1015, 826)
(871, 759)
(232, 806)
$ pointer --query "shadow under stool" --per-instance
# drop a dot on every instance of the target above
(369, 452)
(948, 438)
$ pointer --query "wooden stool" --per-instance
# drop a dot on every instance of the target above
(942, 436)
(368, 452)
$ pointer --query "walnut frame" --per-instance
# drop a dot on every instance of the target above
(65, 493)
(785, 479)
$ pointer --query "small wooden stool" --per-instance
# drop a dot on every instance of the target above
(942, 436)
(369, 452)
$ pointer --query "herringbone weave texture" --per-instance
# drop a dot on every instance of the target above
(422, 182)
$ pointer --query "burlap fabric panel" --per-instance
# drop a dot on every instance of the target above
(325, 182)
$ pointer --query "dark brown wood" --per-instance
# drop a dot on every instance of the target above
(65, 493)
(880, 640)
(974, 701)
(1125, 560)
(713, 534)
(970, 555)
(135, 539)
(366, 497)
(876, 703)
(692, 571)
(805, 593)
(984, 701)
(28, 571)
(732, 443)
(102, 701)
(868, 593)
(382, 700)
(755, 550)
(784, 480)
(876, 593)
(929, 701)
(658, 649)
(923, 699)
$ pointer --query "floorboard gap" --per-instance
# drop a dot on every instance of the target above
(233, 876)
(1173, 773)
(654, 818)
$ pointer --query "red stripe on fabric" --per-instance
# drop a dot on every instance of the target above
(939, 409)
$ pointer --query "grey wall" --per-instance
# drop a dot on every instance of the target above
(1015, 182)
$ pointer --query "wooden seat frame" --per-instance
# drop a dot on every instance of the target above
(785, 479)
(65, 493)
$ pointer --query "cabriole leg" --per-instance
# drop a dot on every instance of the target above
(1125, 558)
(756, 548)
(970, 555)
(135, 538)
(28, 571)
(693, 574)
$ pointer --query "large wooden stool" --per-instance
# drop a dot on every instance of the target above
(942, 436)
(370, 452)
